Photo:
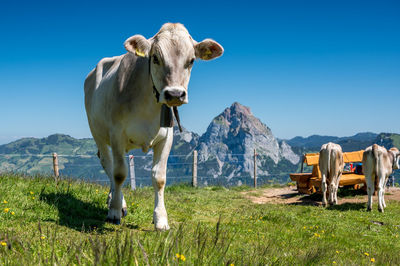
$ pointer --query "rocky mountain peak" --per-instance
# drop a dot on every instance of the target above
(234, 134)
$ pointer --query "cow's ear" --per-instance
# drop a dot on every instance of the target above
(208, 49)
(138, 45)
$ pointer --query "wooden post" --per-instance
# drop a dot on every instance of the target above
(55, 166)
(194, 172)
(132, 172)
(255, 168)
(302, 162)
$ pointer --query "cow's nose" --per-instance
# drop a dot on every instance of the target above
(175, 94)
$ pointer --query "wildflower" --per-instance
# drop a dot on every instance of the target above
(12, 213)
(304, 227)
(5, 202)
(333, 262)
(366, 254)
(105, 192)
(6, 210)
(177, 255)
(33, 197)
(97, 191)
(42, 237)
(372, 259)
(183, 257)
(31, 192)
(317, 235)
(3, 243)
(337, 251)
(231, 264)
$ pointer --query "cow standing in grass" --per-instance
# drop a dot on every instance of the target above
(128, 102)
(331, 166)
(379, 163)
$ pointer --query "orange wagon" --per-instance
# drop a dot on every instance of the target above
(309, 183)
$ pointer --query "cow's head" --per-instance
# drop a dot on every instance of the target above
(171, 53)
(396, 157)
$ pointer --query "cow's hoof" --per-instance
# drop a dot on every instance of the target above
(114, 221)
(381, 210)
(161, 225)
(162, 228)
(324, 204)
(124, 212)
(369, 209)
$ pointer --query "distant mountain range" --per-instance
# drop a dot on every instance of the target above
(225, 152)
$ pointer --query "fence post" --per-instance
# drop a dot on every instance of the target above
(55, 166)
(132, 172)
(255, 168)
(194, 172)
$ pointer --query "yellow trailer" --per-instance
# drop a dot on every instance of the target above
(309, 183)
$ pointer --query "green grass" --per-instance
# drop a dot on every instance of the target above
(47, 223)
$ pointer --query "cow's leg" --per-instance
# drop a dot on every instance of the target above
(335, 200)
(370, 178)
(381, 192)
(105, 157)
(158, 174)
(331, 191)
(383, 197)
(120, 171)
(106, 161)
(324, 188)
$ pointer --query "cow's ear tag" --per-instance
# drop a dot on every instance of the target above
(139, 53)
(206, 54)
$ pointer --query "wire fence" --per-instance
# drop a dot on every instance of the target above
(226, 170)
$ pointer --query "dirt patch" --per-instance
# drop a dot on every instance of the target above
(289, 195)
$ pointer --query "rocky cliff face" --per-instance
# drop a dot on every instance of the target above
(230, 141)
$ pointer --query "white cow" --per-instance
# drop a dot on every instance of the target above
(379, 163)
(331, 166)
(128, 102)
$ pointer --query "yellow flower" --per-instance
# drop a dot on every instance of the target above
(5, 202)
(177, 255)
(12, 213)
(333, 262)
(372, 260)
(6, 210)
(366, 254)
(33, 197)
(183, 257)
(337, 251)
(304, 227)
(42, 237)
(231, 264)
(3, 243)
(105, 192)
(31, 192)
(317, 235)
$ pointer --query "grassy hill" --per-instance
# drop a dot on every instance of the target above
(42, 222)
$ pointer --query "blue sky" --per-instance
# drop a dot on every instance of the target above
(304, 67)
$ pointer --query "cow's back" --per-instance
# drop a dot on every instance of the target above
(95, 77)
(331, 159)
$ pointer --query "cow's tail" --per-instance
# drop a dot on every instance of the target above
(376, 159)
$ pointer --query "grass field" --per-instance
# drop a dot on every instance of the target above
(42, 222)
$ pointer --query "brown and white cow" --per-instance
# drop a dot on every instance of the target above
(331, 166)
(379, 163)
(127, 98)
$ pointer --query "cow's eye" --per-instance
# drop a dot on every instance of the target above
(190, 63)
(155, 60)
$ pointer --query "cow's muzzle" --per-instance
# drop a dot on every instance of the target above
(175, 96)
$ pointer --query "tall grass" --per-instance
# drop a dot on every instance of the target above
(43, 222)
